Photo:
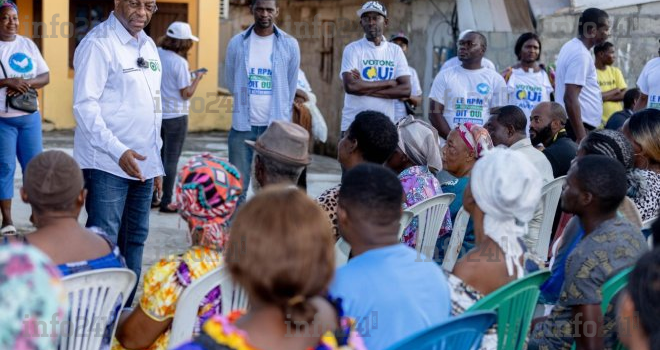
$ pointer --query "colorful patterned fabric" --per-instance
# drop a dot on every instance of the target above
(475, 137)
(219, 333)
(167, 279)
(31, 295)
(7, 3)
(419, 184)
(207, 192)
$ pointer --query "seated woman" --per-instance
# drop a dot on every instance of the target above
(638, 314)
(207, 192)
(31, 295)
(499, 199)
(53, 186)
(416, 159)
(465, 144)
(643, 131)
(281, 252)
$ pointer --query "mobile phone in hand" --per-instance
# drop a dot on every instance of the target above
(199, 72)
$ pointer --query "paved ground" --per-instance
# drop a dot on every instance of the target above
(167, 233)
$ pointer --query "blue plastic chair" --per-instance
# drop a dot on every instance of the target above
(463, 332)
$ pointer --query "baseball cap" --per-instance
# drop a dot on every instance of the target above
(372, 6)
(181, 30)
(400, 35)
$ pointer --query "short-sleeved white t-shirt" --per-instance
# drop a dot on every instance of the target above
(416, 90)
(528, 89)
(468, 94)
(176, 76)
(375, 63)
(649, 82)
(21, 59)
(576, 66)
(260, 78)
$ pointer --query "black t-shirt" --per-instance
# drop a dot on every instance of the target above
(560, 154)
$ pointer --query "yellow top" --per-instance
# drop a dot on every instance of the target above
(608, 79)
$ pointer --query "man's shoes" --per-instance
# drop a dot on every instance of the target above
(169, 209)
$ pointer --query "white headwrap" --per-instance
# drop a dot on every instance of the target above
(419, 142)
(507, 188)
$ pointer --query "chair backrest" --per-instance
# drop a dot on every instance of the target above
(342, 251)
(462, 332)
(185, 316)
(646, 225)
(406, 218)
(550, 194)
(515, 304)
(95, 299)
(456, 240)
(430, 213)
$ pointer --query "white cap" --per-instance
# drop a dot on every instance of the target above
(181, 30)
(373, 6)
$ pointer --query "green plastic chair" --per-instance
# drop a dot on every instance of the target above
(515, 304)
(609, 290)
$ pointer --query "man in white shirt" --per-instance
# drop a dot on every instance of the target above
(375, 72)
(649, 85)
(261, 71)
(415, 99)
(507, 126)
(117, 139)
(467, 92)
(455, 61)
(576, 83)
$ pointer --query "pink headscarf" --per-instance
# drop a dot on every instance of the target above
(475, 137)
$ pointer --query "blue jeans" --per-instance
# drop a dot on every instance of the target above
(120, 207)
(240, 155)
(20, 137)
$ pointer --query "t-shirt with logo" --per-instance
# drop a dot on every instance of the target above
(528, 88)
(468, 94)
(608, 79)
(415, 90)
(21, 59)
(260, 78)
(375, 63)
(649, 82)
(176, 76)
(576, 66)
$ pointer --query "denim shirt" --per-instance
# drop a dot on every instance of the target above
(286, 62)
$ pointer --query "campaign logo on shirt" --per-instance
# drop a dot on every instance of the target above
(483, 88)
(469, 110)
(528, 96)
(261, 81)
(20, 62)
(654, 101)
(154, 65)
(377, 70)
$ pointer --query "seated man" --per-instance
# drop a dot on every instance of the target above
(610, 243)
(547, 128)
(507, 126)
(386, 287)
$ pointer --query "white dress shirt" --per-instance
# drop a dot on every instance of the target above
(117, 104)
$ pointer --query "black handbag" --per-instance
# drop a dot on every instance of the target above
(26, 102)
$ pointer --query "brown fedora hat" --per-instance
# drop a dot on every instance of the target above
(285, 142)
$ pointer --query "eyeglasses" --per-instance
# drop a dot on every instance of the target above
(136, 5)
(142, 63)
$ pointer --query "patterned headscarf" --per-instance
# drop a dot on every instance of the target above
(207, 192)
(7, 3)
(31, 295)
(475, 137)
(611, 143)
(419, 142)
(508, 196)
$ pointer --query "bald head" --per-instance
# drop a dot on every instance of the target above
(546, 120)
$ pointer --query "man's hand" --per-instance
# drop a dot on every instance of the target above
(128, 164)
(580, 133)
(158, 186)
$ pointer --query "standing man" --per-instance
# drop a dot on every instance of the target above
(375, 72)
(610, 79)
(117, 141)
(649, 85)
(576, 81)
(401, 110)
(261, 71)
(548, 129)
(455, 61)
(467, 92)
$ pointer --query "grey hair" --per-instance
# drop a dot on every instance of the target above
(278, 172)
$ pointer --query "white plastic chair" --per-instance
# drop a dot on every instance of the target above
(95, 299)
(646, 225)
(550, 194)
(342, 251)
(185, 315)
(456, 240)
(430, 213)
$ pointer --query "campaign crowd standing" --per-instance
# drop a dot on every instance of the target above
(494, 141)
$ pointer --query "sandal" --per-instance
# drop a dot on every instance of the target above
(170, 208)
(8, 230)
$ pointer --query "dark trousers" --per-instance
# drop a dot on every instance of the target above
(173, 132)
(569, 129)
